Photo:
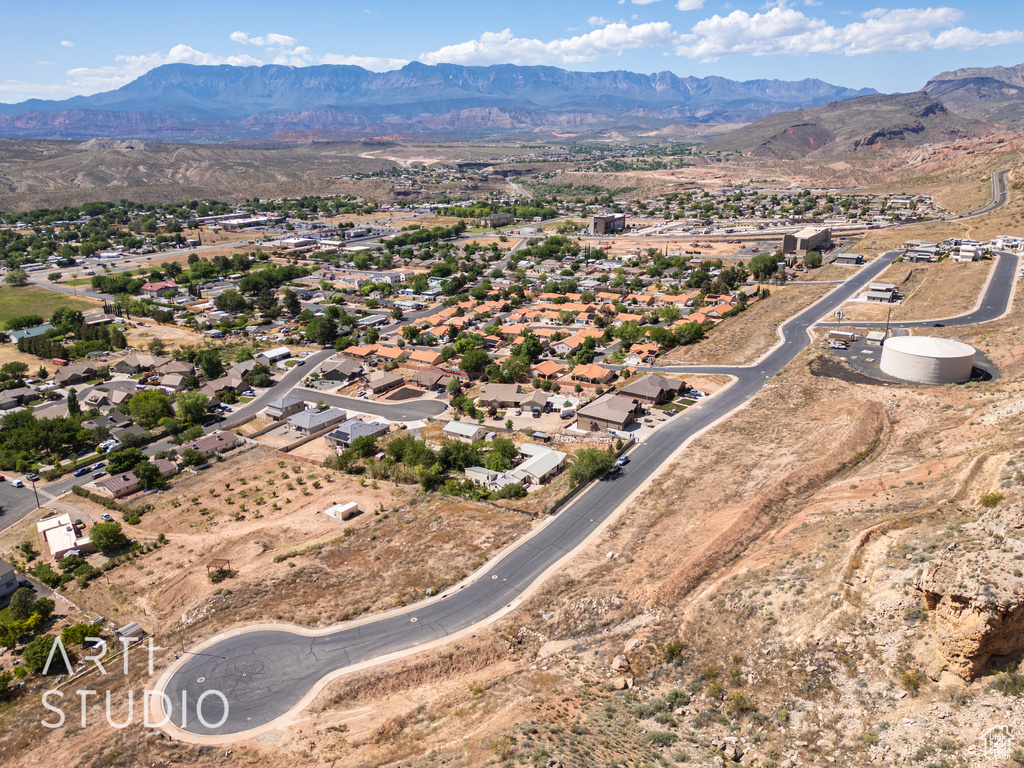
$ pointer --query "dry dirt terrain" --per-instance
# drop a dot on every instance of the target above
(942, 289)
(775, 596)
(742, 339)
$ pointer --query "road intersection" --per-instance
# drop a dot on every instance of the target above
(267, 672)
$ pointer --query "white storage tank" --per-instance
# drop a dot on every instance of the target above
(927, 359)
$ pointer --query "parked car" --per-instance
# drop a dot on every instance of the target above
(105, 517)
(98, 475)
(32, 477)
(18, 483)
(81, 471)
(622, 461)
(98, 465)
(2, 478)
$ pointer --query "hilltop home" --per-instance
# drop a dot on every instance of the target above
(464, 431)
(308, 422)
(284, 407)
(607, 412)
(652, 389)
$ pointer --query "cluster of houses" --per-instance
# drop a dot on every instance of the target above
(960, 249)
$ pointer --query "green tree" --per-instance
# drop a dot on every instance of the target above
(209, 363)
(231, 301)
(588, 464)
(689, 333)
(22, 602)
(147, 408)
(812, 260)
(148, 475)
(65, 319)
(107, 537)
(291, 302)
(156, 347)
(74, 409)
(192, 406)
(322, 331)
(38, 651)
(502, 455)
(763, 266)
(124, 460)
(475, 361)
(16, 277)
(190, 457)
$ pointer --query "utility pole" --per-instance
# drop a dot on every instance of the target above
(887, 316)
(36, 493)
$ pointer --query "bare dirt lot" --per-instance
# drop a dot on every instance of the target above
(942, 289)
(742, 339)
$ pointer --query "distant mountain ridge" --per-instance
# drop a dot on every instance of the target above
(867, 123)
(986, 93)
(191, 102)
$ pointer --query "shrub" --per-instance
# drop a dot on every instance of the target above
(991, 499)
(911, 681)
(661, 738)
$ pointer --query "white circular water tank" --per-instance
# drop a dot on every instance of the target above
(927, 359)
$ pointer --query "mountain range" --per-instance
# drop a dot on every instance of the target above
(185, 102)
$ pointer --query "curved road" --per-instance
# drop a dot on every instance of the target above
(266, 673)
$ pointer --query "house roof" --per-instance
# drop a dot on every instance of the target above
(548, 368)
(313, 419)
(462, 428)
(610, 407)
(592, 371)
(651, 386)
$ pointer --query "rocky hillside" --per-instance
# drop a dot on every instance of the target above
(994, 93)
(188, 102)
(877, 122)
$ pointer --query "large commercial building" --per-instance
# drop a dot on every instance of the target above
(606, 224)
(807, 239)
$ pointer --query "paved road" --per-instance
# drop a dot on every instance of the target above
(266, 673)
(995, 301)
(1000, 195)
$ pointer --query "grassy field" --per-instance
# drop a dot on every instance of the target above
(29, 300)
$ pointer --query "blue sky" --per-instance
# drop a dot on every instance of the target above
(55, 49)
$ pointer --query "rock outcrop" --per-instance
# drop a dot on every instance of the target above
(975, 591)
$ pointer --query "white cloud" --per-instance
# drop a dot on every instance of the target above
(644, 2)
(92, 80)
(503, 48)
(812, 3)
(281, 48)
(372, 63)
(785, 31)
(689, 5)
(67, 43)
(273, 40)
(597, 21)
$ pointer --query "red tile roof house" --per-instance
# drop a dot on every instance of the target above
(155, 289)
(593, 374)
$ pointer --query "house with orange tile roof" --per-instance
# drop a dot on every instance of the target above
(394, 354)
(548, 369)
(364, 352)
(642, 353)
(425, 357)
(593, 374)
